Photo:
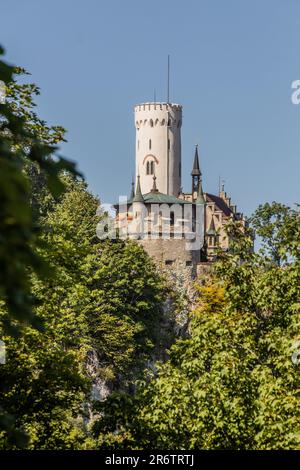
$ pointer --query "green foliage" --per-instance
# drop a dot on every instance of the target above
(279, 229)
(24, 139)
(43, 386)
(127, 321)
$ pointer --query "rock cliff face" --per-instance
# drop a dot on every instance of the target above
(100, 385)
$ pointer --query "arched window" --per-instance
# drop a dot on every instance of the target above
(150, 143)
(152, 167)
(148, 168)
(151, 122)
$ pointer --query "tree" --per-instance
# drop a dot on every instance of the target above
(24, 141)
(278, 227)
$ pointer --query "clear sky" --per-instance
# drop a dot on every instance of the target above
(232, 65)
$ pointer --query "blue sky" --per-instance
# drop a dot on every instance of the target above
(232, 65)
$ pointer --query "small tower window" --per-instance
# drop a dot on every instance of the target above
(168, 144)
(150, 168)
(150, 144)
(151, 122)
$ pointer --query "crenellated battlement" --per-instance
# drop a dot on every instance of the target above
(158, 114)
(156, 106)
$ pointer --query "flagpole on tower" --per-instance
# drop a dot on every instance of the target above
(168, 84)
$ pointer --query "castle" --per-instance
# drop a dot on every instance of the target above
(178, 229)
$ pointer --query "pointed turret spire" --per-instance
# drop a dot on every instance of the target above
(200, 195)
(196, 179)
(196, 168)
(154, 188)
(132, 191)
(138, 193)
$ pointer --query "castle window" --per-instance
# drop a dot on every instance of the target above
(172, 217)
(169, 262)
(163, 122)
(211, 241)
(150, 143)
(168, 144)
(151, 122)
(150, 167)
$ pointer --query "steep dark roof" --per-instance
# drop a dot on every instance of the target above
(220, 203)
(200, 195)
(196, 168)
(212, 228)
(158, 198)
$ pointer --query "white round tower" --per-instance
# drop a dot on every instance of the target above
(158, 146)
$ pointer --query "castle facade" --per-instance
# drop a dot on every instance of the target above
(178, 229)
